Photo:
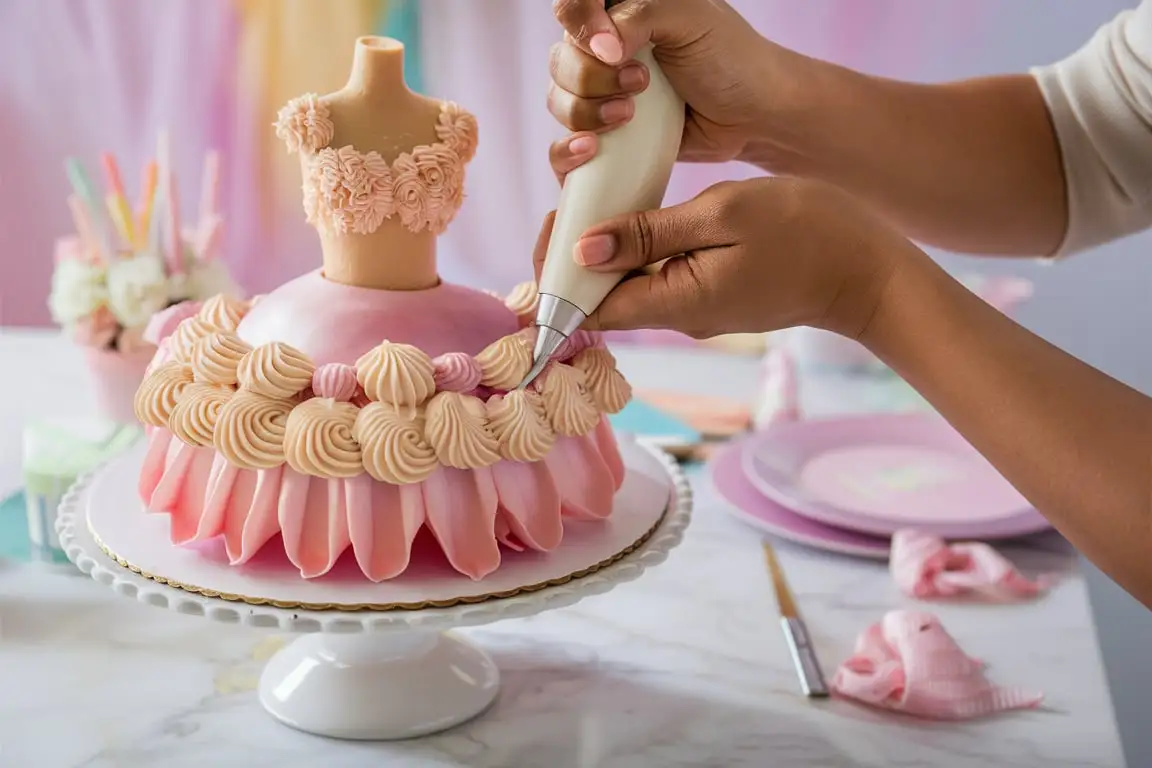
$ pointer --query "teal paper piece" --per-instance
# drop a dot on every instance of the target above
(402, 22)
(14, 541)
(643, 420)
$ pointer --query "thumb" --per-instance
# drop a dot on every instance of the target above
(640, 22)
(588, 24)
(636, 240)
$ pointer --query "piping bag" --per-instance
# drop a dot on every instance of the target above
(629, 173)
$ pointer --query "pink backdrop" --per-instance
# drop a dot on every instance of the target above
(81, 76)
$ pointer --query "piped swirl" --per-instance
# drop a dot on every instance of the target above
(456, 428)
(393, 446)
(195, 415)
(335, 380)
(524, 299)
(318, 439)
(400, 375)
(223, 312)
(456, 372)
(505, 362)
(275, 370)
(216, 358)
(609, 389)
(570, 409)
(520, 425)
(250, 430)
(185, 337)
(159, 393)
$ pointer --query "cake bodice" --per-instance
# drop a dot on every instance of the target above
(335, 323)
(349, 191)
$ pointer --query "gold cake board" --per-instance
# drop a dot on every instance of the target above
(400, 606)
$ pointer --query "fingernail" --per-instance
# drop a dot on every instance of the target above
(597, 249)
(632, 77)
(616, 111)
(606, 47)
(582, 145)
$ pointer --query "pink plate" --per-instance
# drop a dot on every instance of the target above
(879, 473)
(750, 506)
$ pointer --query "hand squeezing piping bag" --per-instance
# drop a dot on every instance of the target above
(629, 173)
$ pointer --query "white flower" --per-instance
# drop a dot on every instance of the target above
(209, 278)
(77, 290)
(137, 289)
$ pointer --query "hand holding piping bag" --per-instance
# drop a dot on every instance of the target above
(630, 173)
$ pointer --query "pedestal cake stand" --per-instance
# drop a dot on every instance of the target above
(373, 661)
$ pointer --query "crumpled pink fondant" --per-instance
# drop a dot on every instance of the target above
(908, 662)
(925, 566)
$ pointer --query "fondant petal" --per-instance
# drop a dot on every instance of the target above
(262, 520)
(154, 468)
(221, 478)
(610, 451)
(583, 479)
(314, 521)
(529, 503)
(383, 520)
(461, 509)
(181, 490)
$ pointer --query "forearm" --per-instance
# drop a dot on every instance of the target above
(971, 166)
(1075, 442)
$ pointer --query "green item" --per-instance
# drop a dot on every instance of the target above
(56, 454)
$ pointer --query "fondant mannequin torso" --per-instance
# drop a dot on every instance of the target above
(379, 250)
(377, 112)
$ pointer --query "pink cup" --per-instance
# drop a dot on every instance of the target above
(115, 377)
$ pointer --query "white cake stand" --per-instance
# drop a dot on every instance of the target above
(357, 672)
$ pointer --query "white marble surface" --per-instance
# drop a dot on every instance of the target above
(686, 667)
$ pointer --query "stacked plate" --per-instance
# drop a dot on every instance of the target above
(847, 484)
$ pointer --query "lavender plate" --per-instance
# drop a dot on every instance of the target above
(876, 474)
(750, 506)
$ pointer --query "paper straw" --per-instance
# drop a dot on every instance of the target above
(210, 238)
(171, 218)
(156, 224)
(80, 221)
(86, 193)
(175, 239)
(112, 174)
(118, 211)
(117, 201)
(147, 198)
(210, 187)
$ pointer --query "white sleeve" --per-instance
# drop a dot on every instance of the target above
(1100, 99)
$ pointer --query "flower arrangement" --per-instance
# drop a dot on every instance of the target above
(123, 266)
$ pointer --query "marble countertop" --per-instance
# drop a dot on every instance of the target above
(685, 667)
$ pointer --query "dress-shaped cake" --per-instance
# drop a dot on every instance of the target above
(358, 404)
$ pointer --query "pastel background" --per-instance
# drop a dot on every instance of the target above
(81, 76)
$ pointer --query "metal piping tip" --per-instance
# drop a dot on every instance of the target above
(556, 320)
(548, 340)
